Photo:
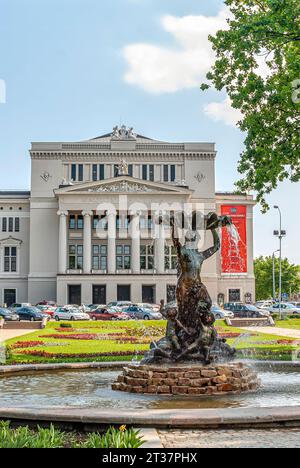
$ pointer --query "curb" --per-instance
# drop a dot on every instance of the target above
(180, 419)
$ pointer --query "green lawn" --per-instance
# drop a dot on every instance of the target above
(117, 341)
(290, 323)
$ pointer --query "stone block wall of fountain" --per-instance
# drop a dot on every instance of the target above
(195, 379)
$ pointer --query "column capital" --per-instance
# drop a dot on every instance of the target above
(87, 213)
(62, 213)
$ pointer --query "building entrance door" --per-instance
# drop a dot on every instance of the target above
(74, 294)
(148, 294)
(9, 297)
(99, 294)
(124, 293)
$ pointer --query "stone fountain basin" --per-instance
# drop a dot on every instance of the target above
(188, 379)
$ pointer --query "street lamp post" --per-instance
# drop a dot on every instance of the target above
(280, 234)
(274, 275)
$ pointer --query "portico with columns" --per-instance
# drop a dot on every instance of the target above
(128, 199)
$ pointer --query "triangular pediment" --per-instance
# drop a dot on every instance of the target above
(123, 184)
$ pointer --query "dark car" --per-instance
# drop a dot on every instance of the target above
(8, 315)
(241, 310)
(31, 314)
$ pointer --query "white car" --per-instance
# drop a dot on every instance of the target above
(119, 304)
(286, 308)
(265, 305)
(220, 313)
(62, 313)
(145, 305)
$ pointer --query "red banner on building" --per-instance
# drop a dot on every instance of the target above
(234, 243)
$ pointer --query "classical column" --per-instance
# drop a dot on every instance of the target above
(87, 241)
(62, 243)
(136, 244)
(111, 243)
(160, 250)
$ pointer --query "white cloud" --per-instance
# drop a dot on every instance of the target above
(223, 112)
(158, 69)
(2, 92)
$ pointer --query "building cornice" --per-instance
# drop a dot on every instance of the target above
(113, 156)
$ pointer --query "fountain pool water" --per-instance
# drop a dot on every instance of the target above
(92, 389)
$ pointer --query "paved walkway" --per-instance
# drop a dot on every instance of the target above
(8, 334)
(271, 438)
(284, 332)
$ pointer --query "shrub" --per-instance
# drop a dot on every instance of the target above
(114, 438)
(23, 437)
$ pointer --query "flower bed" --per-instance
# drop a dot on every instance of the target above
(26, 344)
(46, 354)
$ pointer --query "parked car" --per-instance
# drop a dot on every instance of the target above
(8, 315)
(220, 313)
(141, 313)
(46, 303)
(63, 313)
(49, 310)
(296, 304)
(265, 305)
(145, 305)
(120, 304)
(241, 310)
(108, 314)
(96, 306)
(17, 305)
(286, 309)
(31, 314)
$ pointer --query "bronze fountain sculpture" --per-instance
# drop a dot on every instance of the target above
(191, 359)
(191, 334)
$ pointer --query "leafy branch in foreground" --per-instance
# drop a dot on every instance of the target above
(262, 34)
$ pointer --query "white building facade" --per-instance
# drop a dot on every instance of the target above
(86, 231)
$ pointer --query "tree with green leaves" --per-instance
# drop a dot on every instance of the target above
(263, 267)
(267, 30)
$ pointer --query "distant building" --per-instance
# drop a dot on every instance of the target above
(54, 241)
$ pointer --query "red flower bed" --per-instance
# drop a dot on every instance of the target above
(26, 344)
(77, 336)
(45, 354)
(229, 335)
(288, 342)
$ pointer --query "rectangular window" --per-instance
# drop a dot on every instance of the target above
(116, 170)
(123, 260)
(147, 257)
(10, 224)
(73, 172)
(72, 222)
(151, 173)
(101, 172)
(95, 172)
(145, 172)
(99, 257)
(4, 224)
(173, 173)
(80, 172)
(166, 173)
(170, 257)
(80, 222)
(75, 257)
(130, 170)
(10, 259)
(17, 224)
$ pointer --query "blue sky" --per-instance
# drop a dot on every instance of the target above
(75, 68)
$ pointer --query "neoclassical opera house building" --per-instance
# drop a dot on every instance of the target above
(56, 240)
